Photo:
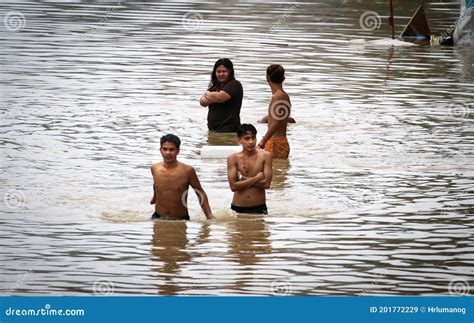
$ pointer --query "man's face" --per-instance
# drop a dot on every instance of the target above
(222, 74)
(248, 141)
(169, 152)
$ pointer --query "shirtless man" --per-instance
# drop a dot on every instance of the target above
(279, 110)
(171, 181)
(249, 173)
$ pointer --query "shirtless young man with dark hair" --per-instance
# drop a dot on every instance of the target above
(249, 173)
(279, 110)
(171, 181)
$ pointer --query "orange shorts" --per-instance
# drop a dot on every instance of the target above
(279, 147)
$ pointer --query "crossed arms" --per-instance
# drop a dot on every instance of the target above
(213, 97)
(261, 180)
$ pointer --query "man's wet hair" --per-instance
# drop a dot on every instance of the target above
(171, 138)
(246, 127)
(276, 73)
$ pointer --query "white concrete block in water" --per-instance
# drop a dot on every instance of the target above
(218, 151)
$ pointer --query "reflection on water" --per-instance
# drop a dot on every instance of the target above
(280, 173)
(249, 244)
(169, 253)
(222, 139)
(377, 197)
(248, 238)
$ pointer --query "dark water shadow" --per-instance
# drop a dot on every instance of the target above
(169, 253)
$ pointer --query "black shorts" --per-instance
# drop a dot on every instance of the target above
(257, 209)
(156, 216)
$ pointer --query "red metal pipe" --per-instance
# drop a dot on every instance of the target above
(391, 20)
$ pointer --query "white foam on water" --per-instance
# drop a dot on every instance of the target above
(125, 216)
(218, 151)
(222, 215)
(389, 42)
(360, 42)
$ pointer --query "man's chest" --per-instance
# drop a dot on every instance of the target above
(249, 168)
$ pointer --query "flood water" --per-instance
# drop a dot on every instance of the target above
(376, 198)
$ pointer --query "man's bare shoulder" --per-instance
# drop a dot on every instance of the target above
(185, 168)
(280, 95)
(156, 166)
(265, 154)
(233, 157)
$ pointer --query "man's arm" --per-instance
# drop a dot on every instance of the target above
(153, 199)
(233, 177)
(271, 130)
(201, 195)
(263, 119)
(267, 172)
